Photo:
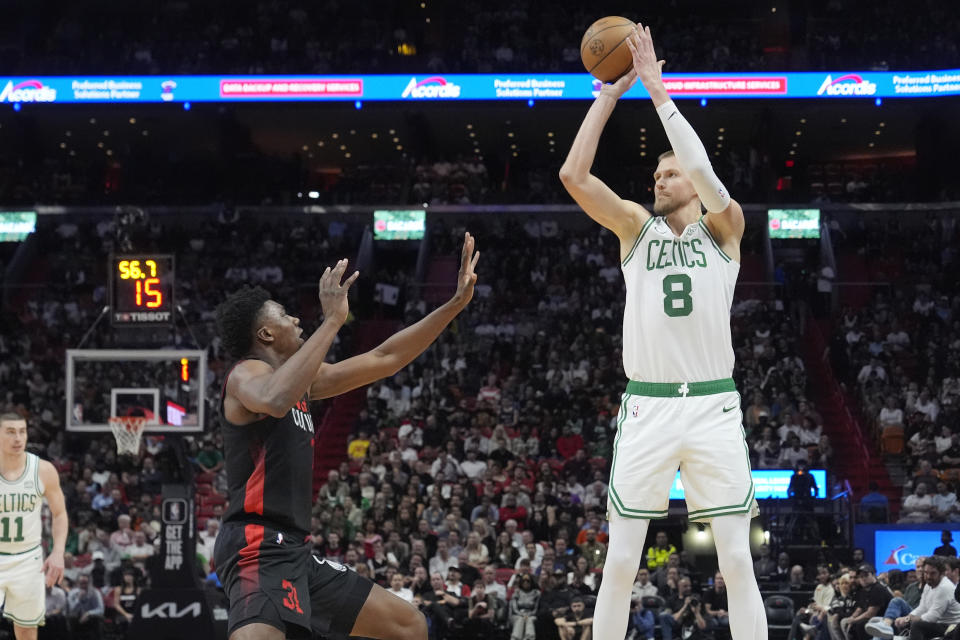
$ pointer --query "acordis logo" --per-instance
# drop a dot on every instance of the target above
(433, 87)
(848, 85)
(28, 91)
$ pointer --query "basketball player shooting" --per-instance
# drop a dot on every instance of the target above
(681, 408)
(24, 575)
(276, 587)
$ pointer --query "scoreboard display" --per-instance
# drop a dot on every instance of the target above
(141, 290)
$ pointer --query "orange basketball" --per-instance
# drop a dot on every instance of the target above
(604, 50)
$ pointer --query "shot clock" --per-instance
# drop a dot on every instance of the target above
(141, 290)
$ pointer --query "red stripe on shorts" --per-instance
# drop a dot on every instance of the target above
(249, 561)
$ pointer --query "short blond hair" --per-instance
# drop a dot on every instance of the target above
(666, 154)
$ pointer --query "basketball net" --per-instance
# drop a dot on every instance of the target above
(128, 431)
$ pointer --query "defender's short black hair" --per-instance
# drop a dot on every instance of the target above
(236, 316)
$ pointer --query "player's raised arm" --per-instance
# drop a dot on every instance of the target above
(726, 219)
(262, 388)
(623, 217)
(53, 565)
(403, 347)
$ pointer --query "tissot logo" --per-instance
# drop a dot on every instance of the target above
(433, 87)
(170, 610)
(848, 85)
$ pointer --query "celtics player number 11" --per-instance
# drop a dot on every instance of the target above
(680, 268)
(25, 480)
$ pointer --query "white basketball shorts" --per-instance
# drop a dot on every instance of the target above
(695, 427)
(22, 589)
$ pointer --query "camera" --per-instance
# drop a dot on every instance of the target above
(694, 601)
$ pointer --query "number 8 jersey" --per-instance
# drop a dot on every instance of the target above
(20, 503)
(676, 323)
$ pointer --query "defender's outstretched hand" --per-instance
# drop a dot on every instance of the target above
(333, 295)
(467, 277)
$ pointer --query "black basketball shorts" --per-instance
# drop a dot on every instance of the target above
(274, 579)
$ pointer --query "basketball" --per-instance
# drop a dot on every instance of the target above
(604, 49)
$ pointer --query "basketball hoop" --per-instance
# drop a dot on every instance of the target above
(128, 430)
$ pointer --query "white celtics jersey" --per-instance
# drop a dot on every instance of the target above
(20, 504)
(676, 324)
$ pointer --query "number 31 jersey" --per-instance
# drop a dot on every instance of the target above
(20, 503)
(676, 323)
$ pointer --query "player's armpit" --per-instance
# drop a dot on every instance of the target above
(624, 217)
(249, 386)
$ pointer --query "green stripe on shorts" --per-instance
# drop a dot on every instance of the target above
(680, 389)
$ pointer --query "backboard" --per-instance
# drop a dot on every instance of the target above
(167, 386)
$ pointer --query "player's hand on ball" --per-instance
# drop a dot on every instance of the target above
(333, 294)
(53, 569)
(645, 62)
(622, 85)
(467, 276)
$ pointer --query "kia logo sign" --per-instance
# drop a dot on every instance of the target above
(170, 610)
(848, 85)
(433, 87)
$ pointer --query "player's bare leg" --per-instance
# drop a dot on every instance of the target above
(258, 631)
(24, 633)
(384, 616)
(624, 554)
(748, 619)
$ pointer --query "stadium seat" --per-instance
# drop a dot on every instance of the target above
(779, 613)
(891, 440)
(204, 489)
(204, 478)
(504, 575)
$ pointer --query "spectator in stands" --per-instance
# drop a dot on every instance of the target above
(793, 453)
(872, 598)
(333, 492)
(764, 565)
(593, 550)
(85, 609)
(357, 448)
(660, 551)
(781, 573)
(803, 486)
(797, 579)
(482, 609)
(918, 506)
(945, 507)
(398, 589)
(813, 617)
(577, 624)
(874, 506)
(453, 583)
(55, 617)
(443, 560)
(492, 585)
(210, 459)
(843, 605)
(445, 609)
(523, 609)
(687, 617)
(937, 609)
(946, 549)
(715, 605)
